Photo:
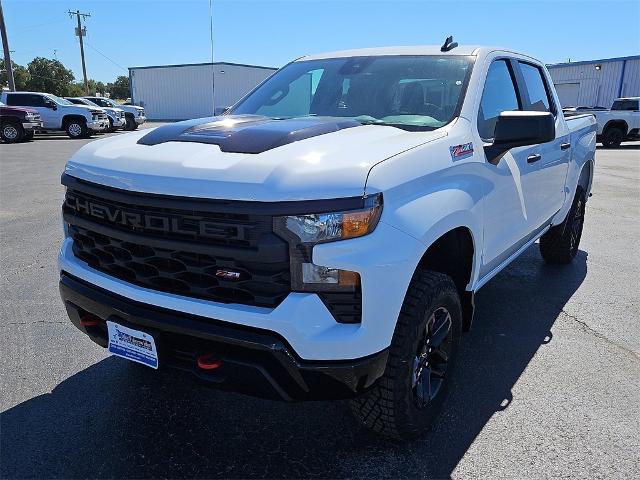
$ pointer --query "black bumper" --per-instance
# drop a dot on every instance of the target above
(256, 362)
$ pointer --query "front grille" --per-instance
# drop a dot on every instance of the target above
(236, 259)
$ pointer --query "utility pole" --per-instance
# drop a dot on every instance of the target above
(81, 32)
(8, 66)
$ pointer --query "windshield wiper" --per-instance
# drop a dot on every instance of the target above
(403, 126)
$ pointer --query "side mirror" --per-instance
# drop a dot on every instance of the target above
(50, 104)
(519, 129)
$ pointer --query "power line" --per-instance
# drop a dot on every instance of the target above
(111, 60)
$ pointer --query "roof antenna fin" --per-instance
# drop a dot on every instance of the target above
(449, 44)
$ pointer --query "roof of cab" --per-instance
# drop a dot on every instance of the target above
(408, 50)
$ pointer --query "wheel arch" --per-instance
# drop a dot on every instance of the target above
(72, 116)
(621, 124)
(453, 253)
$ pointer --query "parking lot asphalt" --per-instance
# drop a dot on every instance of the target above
(549, 381)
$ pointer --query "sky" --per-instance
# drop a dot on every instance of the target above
(128, 33)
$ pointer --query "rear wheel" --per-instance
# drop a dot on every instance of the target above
(77, 129)
(613, 137)
(406, 400)
(12, 132)
(560, 244)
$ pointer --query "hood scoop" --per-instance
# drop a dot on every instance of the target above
(246, 133)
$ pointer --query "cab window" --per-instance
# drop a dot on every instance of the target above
(499, 96)
(536, 87)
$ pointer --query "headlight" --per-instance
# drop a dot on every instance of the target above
(304, 231)
(328, 227)
(29, 116)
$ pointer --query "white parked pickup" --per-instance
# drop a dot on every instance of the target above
(326, 237)
(620, 123)
(79, 121)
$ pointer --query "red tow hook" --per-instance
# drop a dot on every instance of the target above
(208, 362)
(90, 320)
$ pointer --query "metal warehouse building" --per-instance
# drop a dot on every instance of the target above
(596, 82)
(179, 92)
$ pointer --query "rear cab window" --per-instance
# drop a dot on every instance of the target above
(536, 87)
(25, 100)
(631, 105)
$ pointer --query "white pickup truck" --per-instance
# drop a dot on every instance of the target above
(134, 115)
(79, 121)
(620, 123)
(326, 237)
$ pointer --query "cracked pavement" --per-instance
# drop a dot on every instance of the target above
(548, 385)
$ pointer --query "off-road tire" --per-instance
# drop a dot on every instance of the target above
(390, 407)
(76, 128)
(111, 127)
(560, 244)
(612, 137)
(12, 132)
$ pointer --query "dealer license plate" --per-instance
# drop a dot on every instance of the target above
(132, 344)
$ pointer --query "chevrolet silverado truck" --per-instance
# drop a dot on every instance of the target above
(116, 115)
(619, 124)
(134, 115)
(18, 124)
(78, 121)
(326, 237)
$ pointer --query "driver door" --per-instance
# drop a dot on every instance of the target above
(510, 191)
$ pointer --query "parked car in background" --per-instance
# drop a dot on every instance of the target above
(134, 115)
(18, 124)
(116, 115)
(326, 237)
(618, 124)
(78, 121)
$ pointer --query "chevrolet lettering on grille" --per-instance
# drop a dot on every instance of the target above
(154, 222)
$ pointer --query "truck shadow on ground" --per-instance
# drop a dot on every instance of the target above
(115, 419)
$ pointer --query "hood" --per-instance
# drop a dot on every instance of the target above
(18, 109)
(87, 107)
(240, 158)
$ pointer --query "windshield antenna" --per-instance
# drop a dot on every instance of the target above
(449, 44)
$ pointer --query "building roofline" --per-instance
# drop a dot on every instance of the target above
(203, 64)
(589, 62)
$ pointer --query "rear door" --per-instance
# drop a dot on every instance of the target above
(550, 160)
(35, 101)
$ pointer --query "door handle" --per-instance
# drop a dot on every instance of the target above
(534, 158)
(565, 146)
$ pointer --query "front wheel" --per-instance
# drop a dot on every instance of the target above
(130, 124)
(406, 400)
(77, 129)
(12, 132)
(560, 244)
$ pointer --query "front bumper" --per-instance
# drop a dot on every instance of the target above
(140, 120)
(28, 126)
(254, 361)
(118, 122)
(98, 126)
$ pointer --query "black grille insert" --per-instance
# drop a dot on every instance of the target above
(227, 257)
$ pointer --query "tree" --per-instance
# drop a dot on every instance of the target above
(20, 75)
(119, 88)
(49, 76)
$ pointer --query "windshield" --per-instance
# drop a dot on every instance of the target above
(412, 92)
(90, 103)
(107, 102)
(58, 100)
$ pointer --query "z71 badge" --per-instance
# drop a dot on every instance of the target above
(459, 152)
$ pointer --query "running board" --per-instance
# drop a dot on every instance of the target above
(509, 259)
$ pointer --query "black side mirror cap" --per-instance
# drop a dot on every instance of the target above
(519, 129)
